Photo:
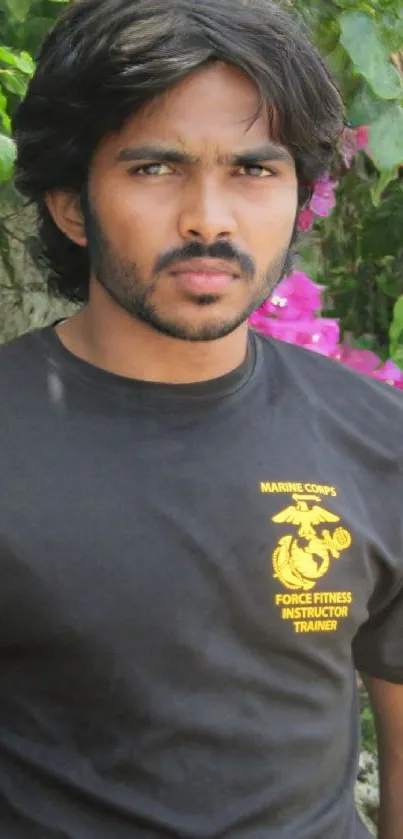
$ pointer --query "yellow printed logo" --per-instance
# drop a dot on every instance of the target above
(304, 556)
(300, 560)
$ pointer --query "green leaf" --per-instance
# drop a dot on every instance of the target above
(7, 157)
(338, 61)
(346, 4)
(4, 114)
(366, 107)
(396, 329)
(362, 39)
(378, 189)
(12, 81)
(392, 26)
(34, 31)
(397, 357)
(21, 61)
(386, 139)
(27, 63)
(18, 9)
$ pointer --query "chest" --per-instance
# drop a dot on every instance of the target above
(264, 539)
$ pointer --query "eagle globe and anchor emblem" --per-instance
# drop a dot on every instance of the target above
(299, 565)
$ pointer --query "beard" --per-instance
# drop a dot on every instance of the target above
(124, 284)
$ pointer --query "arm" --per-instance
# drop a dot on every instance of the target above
(387, 703)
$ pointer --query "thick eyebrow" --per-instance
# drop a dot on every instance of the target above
(268, 152)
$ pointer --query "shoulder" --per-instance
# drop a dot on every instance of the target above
(20, 348)
(355, 402)
(20, 362)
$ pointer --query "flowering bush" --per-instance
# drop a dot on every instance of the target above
(323, 200)
(291, 314)
(356, 251)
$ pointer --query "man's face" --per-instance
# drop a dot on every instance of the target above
(192, 208)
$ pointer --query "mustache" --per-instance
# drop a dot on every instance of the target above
(196, 250)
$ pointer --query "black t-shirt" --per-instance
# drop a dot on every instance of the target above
(188, 577)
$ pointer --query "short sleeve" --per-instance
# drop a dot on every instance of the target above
(378, 644)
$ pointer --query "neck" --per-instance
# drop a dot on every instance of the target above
(111, 339)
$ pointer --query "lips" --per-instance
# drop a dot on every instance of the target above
(206, 266)
(205, 276)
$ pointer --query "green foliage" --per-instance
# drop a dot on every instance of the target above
(368, 731)
(358, 251)
(396, 333)
(361, 38)
(23, 25)
(386, 137)
(7, 155)
(368, 735)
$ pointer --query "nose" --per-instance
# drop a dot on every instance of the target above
(206, 213)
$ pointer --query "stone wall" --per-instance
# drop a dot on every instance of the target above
(24, 301)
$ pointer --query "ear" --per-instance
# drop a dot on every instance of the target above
(65, 209)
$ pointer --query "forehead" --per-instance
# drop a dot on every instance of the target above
(217, 107)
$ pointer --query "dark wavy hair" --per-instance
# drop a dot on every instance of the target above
(106, 58)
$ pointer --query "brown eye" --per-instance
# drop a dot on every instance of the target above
(152, 170)
(256, 171)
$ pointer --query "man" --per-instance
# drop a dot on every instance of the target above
(200, 528)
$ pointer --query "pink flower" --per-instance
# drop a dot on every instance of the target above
(389, 373)
(326, 336)
(290, 315)
(306, 219)
(259, 321)
(364, 361)
(294, 297)
(321, 335)
(318, 334)
(367, 362)
(362, 135)
(322, 202)
(354, 140)
(289, 331)
(323, 199)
